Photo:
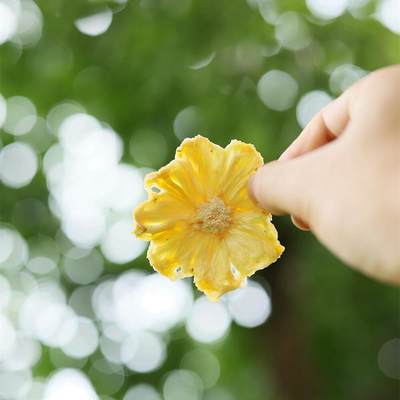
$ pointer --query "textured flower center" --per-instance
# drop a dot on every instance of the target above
(213, 216)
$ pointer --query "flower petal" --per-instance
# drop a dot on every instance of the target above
(161, 212)
(253, 242)
(184, 253)
(213, 272)
(205, 162)
(242, 161)
(172, 252)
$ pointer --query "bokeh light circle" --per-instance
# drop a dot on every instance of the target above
(126, 188)
(96, 24)
(389, 358)
(143, 352)
(208, 321)
(249, 306)
(219, 393)
(109, 377)
(6, 244)
(310, 104)
(18, 165)
(8, 337)
(85, 340)
(13, 249)
(182, 385)
(188, 122)
(204, 363)
(15, 384)
(56, 324)
(148, 148)
(142, 391)
(8, 20)
(111, 349)
(5, 288)
(327, 9)
(3, 110)
(291, 31)
(80, 301)
(30, 24)
(277, 90)
(151, 302)
(21, 115)
(25, 354)
(60, 112)
(67, 384)
(343, 76)
(119, 245)
(85, 269)
(388, 14)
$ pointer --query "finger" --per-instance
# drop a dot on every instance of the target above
(314, 135)
(299, 223)
(325, 126)
(291, 186)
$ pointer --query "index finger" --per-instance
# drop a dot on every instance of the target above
(325, 126)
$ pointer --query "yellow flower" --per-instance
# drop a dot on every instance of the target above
(201, 220)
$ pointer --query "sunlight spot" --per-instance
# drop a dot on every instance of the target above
(8, 19)
(30, 24)
(389, 358)
(204, 363)
(6, 244)
(388, 14)
(119, 245)
(208, 321)
(60, 112)
(3, 110)
(7, 338)
(15, 384)
(25, 354)
(310, 104)
(67, 384)
(18, 165)
(188, 122)
(85, 340)
(21, 115)
(142, 391)
(95, 24)
(327, 9)
(182, 385)
(277, 90)
(292, 32)
(203, 62)
(85, 269)
(143, 352)
(343, 76)
(249, 306)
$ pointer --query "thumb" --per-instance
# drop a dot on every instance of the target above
(291, 186)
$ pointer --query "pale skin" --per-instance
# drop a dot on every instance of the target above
(340, 178)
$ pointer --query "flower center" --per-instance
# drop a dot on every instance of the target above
(213, 216)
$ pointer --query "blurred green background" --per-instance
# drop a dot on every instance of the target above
(94, 94)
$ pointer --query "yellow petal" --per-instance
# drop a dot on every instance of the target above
(161, 212)
(205, 162)
(253, 242)
(242, 161)
(213, 273)
(173, 252)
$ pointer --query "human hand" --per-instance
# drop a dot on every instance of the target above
(341, 177)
